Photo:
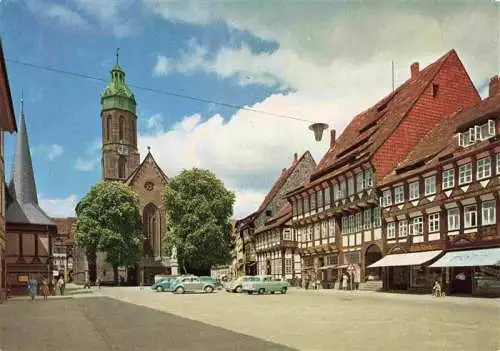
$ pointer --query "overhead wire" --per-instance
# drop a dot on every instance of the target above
(159, 91)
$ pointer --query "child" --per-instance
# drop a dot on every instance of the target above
(436, 289)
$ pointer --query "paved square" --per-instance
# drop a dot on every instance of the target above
(336, 320)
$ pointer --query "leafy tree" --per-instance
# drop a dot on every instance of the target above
(198, 208)
(108, 220)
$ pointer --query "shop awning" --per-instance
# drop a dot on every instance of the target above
(470, 258)
(406, 259)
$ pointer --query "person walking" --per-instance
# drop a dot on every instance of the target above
(344, 281)
(98, 283)
(45, 288)
(60, 285)
(32, 287)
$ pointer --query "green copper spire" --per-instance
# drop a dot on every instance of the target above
(117, 94)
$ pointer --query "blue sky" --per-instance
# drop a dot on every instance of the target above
(313, 63)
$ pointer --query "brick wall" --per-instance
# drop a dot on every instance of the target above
(455, 91)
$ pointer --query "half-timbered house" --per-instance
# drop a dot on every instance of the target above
(268, 227)
(7, 124)
(29, 229)
(442, 203)
(336, 214)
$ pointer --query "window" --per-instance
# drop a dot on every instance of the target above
(343, 190)
(377, 221)
(368, 179)
(327, 196)
(470, 216)
(287, 234)
(336, 192)
(134, 132)
(319, 200)
(414, 191)
(391, 230)
(498, 164)
(331, 230)
(483, 168)
(417, 226)
(288, 266)
(399, 194)
(311, 233)
(294, 209)
(121, 128)
(351, 224)
(306, 205)
(367, 219)
(386, 198)
(360, 182)
(345, 224)
(433, 222)
(448, 179)
(313, 201)
(122, 162)
(488, 210)
(350, 186)
(403, 228)
(453, 219)
(298, 234)
(108, 128)
(464, 139)
(359, 225)
(299, 207)
(465, 174)
(430, 185)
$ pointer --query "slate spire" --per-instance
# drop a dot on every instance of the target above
(22, 185)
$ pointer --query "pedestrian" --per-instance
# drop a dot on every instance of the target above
(45, 288)
(32, 287)
(344, 281)
(53, 287)
(61, 285)
(98, 283)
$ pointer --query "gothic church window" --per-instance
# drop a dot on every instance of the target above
(121, 167)
(121, 129)
(134, 133)
(108, 127)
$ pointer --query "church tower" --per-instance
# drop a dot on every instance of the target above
(119, 128)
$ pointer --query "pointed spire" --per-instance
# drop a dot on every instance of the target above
(117, 55)
(22, 102)
(22, 184)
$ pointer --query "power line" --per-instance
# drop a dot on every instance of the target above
(169, 93)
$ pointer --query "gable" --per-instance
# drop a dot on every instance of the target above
(147, 169)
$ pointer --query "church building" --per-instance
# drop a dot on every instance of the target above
(120, 161)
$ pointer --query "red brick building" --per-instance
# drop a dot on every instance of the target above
(442, 202)
(336, 214)
(7, 123)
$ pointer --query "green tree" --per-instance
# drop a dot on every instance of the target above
(198, 207)
(108, 220)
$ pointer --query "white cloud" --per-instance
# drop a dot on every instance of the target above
(57, 12)
(59, 207)
(336, 56)
(90, 160)
(51, 152)
(155, 123)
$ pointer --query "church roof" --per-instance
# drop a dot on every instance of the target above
(24, 206)
(134, 174)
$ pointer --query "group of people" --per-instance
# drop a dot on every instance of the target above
(45, 288)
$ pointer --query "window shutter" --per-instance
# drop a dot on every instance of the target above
(477, 130)
(491, 128)
(472, 135)
(461, 141)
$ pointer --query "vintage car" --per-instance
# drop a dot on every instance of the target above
(164, 283)
(236, 286)
(262, 284)
(216, 282)
(191, 284)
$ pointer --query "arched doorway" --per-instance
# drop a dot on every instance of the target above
(151, 229)
(372, 255)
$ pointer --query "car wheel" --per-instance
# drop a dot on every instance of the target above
(209, 289)
(238, 289)
(179, 290)
(262, 291)
(249, 292)
(283, 291)
(272, 292)
(159, 289)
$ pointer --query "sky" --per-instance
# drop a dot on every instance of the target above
(322, 61)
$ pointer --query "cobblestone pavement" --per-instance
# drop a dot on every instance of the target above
(102, 324)
(337, 320)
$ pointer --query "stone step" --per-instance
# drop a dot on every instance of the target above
(372, 285)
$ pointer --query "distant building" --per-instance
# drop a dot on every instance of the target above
(62, 247)
(7, 123)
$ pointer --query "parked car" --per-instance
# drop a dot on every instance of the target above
(215, 281)
(262, 284)
(236, 286)
(163, 284)
(191, 284)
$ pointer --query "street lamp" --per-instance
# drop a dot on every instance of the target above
(318, 129)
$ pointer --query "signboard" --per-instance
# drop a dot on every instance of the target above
(22, 278)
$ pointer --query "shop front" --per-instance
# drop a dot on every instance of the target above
(329, 271)
(471, 272)
(408, 271)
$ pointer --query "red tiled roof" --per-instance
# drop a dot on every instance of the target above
(440, 141)
(371, 128)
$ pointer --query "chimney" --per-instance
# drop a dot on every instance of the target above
(494, 86)
(332, 138)
(414, 69)
(295, 158)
